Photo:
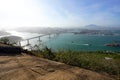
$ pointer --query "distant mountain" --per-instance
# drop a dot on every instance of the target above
(2, 33)
(93, 26)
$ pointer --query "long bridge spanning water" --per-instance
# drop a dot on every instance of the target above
(39, 38)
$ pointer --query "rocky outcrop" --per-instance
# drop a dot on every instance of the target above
(26, 67)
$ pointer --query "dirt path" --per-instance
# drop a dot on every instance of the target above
(27, 67)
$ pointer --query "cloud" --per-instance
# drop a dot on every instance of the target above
(57, 13)
(21, 13)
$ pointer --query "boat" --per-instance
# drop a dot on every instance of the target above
(87, 44)
(72, 41)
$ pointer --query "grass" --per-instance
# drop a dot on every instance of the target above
(89, 60)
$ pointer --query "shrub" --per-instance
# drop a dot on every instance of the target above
(47, 53)
(5, 40)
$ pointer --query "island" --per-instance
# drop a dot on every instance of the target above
(113, 44)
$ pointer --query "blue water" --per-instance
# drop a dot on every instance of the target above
(79, 42)
(69, 41)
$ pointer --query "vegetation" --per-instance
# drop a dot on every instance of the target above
(91, 60)
(5, 40)
(100, 61)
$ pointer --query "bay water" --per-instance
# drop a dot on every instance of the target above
(70, 41)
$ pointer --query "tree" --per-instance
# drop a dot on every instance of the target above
(5, 40)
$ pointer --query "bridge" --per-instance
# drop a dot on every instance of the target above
(28, 40)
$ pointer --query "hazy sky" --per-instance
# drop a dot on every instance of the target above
(16, 13)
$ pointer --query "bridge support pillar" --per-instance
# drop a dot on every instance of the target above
(19, 43)
(49, 36)
(39, 39)
(28, 41)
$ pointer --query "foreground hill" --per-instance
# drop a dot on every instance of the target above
(26, 67)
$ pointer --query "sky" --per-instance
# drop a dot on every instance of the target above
(59, 13)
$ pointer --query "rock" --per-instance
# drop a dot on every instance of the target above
(108, 58)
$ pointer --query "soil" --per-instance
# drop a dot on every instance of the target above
(26, 67)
